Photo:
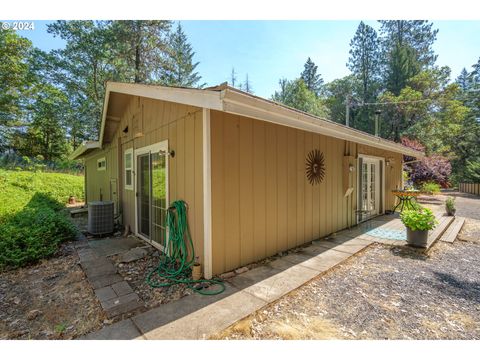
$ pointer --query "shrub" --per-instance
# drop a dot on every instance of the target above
(31, 223)
(430, 188)
(450, 205)
(419, 219)
(435, 168)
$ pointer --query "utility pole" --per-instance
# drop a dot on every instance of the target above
(377, 124)
(347, 111)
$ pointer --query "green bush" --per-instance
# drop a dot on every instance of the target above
(450, 204)
(431, 188)
(31, 223)
(419, 219)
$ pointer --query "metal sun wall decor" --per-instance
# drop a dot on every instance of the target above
(315, 167)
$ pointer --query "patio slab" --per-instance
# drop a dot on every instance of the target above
(114, 246)
(122, 330)
(197, 316)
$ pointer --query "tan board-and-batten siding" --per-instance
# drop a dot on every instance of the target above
(262, 202)
(151, 121)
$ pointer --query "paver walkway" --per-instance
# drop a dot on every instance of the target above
(115, 294)
(198, 316)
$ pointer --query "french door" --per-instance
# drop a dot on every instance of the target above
(371, 187)
(152, 193)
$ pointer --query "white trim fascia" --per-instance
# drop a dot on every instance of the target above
(89, 145)
(195, 97)
(207, 195)
(241, 104)
(104, 115)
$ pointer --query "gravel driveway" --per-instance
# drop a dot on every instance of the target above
(383, 293)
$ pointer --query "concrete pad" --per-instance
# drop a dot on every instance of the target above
(347, 247)
(318, 262)
(275, 286)
(122, 304)
(123, 330)
(255, 275)
(201, 322)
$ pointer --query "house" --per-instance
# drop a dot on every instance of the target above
(258, 177)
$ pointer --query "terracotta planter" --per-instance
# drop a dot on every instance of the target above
(417, 238)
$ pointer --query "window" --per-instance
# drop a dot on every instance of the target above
(101, 164)
(128, 165)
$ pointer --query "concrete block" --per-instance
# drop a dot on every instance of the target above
(122, 304)
(105, 293)
(104, 280)
(122, 288)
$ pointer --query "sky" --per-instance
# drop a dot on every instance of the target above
(270, 50)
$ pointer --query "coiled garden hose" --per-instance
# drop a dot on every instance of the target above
(176, 266)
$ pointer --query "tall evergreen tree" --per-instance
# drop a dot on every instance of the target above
(247, 85)
(418, 34)
(180, 70)
(407, 50)
(296, 94)
(15, 81)
(463, 80)
(140, 47)
(312, 80)
(233, 77)
(364, 60)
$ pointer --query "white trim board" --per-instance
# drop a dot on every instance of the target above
(207, 196)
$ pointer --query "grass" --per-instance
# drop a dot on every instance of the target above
(31, 224)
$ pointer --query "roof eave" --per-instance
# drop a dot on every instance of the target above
(83, 148)
(246, 105)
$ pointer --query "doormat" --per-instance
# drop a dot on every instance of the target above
(389, 234)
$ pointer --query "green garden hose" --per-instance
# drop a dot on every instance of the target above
(176, 266)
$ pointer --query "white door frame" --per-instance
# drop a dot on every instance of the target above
(160, 146)
(382, 184)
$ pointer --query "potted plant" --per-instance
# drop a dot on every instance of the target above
(418, 223)
(450, 206)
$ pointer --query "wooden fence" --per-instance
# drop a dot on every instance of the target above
(469, 188)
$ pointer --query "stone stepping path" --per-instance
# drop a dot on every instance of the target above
(115, 295)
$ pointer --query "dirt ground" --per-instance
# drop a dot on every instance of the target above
(50, 300)
(384, 293)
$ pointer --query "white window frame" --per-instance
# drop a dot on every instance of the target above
(100, 160)
(129, 151)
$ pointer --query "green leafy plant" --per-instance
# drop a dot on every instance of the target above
(431, 188)
(419, 219)
(450, 205)
(31, 223)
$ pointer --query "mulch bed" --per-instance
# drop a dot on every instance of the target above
(382, 293)
(135, 274)
(49, 300)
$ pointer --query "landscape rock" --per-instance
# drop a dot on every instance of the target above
(32, 314)
(227, 275)
(133, 255)
(241, 270)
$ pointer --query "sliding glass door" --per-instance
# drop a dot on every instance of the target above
(152, 193)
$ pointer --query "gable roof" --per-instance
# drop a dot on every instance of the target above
(231, 100)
